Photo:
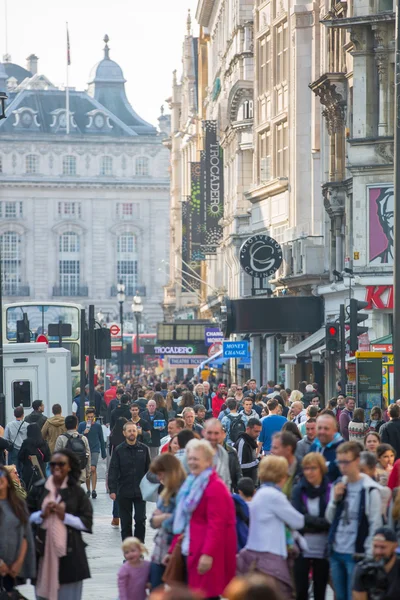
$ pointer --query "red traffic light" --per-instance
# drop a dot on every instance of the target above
(332, 330)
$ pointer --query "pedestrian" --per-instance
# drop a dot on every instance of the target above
(284, 444)
(311, 413)
(310, 497)
(357, 427)
(297, 413)
(133, 576)
(113, 402)
(15, 433)
(346, 416)
(248, 409)
(205, 515)
(235, 470)
(270, 514)
(161, 405)
(390, 432)
(304, 445)
(326, 443)
(234, 423)
(271, 424)
(372, 441)
(54, 427)
(20, 490)
(340, 405)
(60, 511)
(252, 586)
(187, 399)
(394, 477)
(175, 425)
(218, 400)
(4, 446)
(386, 456)
(121, 410)
(292, 428)
(37, 416)
(309, 395)
(200, 412)
(34, 446)
(157, 424)
(171, 405)
(354, 512)
(214, 433)
(246, 446)
(189, 416)
(116, 438)
(245, 493)
(93, 431)
(129, 463)
(143, 426)
(17, 551)
(97, 401)
(77, 443)
(171, 475)
(173, 445)
(375, 421)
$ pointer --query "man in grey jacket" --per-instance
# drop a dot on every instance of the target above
(215, 434)
(15, 434)
(304, 445)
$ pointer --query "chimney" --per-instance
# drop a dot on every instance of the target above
(32, 63)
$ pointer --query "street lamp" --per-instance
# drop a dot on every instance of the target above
(3, 98)
(137, 309)
(121, 300)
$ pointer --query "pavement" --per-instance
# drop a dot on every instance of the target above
(104, 548)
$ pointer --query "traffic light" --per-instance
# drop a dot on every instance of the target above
(355, 319)
(332, 337)
(23, 331)
(102, 343)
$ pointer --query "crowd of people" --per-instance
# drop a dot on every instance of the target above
(260, 493)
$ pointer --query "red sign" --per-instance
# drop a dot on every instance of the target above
(42, 338)
(115, 330)
(379, 297)
(214, 349)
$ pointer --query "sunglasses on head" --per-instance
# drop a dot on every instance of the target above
(58, 463)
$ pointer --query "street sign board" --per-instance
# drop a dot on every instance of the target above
(236, 349)
(213, 335)
(115, 330)
(214, 349)
(186, 362)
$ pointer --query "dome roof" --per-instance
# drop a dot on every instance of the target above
(107, 70)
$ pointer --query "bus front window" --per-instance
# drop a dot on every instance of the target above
(39, 317)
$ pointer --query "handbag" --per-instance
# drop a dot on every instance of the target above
(149, 489)
(175, 569)
(14, 594)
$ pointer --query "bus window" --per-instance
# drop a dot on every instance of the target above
(22, 393)
(39, 317)
(74, 349)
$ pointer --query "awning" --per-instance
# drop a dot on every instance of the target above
(215, 364)
(303, 348)
(209, 360)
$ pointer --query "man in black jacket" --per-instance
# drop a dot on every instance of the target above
(390, 432)
(121, 410)
(151, 415)
(246, 446)
(130, 462)
(37, 416)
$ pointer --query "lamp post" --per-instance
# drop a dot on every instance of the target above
(121, 300)
(137, 309)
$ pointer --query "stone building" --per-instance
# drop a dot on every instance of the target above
(83, 210)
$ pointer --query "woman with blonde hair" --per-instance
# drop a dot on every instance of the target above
(295, 396)
(19, 489)
(270, 514)
(171, 474)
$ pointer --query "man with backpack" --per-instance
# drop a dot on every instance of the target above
(77, 443)
(234, 423)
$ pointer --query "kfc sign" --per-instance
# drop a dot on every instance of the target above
(379, 297)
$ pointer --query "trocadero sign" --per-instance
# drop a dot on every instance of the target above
(260, 256)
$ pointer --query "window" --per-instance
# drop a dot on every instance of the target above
(142, 166)
(127, 210)
(69, 165)
(69, 242)
(69, 263)
(281, 53)
(32, 164)
(69, 210)
(282, 149)
(265, 156)
(106, 165)
(10, 210)
(10, 262)
(127, 266)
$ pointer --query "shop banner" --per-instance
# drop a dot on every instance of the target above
(195, 216)
(212, 198)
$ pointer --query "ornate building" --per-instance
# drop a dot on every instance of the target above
(81, 210)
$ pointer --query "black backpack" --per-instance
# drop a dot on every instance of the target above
(76, 444)
(237, 427)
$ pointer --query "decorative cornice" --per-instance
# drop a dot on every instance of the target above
(83, 184)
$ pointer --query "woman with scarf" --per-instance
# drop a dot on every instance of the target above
(17, 552)
(33, 446)
(205, 521)
(310, 497)
(60, 511)
(271, 519)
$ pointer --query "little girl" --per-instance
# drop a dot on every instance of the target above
(133, 576)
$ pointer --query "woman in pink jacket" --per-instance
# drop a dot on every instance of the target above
(205, 515)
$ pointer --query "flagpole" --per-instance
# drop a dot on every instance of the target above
(67, 85)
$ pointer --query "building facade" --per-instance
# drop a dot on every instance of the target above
(84, 204)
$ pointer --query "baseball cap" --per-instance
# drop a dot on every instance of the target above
(387, 533)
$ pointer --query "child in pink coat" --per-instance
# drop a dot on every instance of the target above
(133, 576)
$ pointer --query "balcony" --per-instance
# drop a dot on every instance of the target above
(15, 289)
(130, 290)
(81, 291)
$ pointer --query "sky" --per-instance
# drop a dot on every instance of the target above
(145, 40)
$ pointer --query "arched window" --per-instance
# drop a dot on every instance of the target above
(32, 164)
(69, 264)
(106, 165)
(10, 243)
(69, 165)
(127, 264)
(142, 166)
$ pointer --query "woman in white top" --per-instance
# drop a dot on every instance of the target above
(270, 515)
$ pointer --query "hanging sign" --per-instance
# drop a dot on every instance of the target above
(260, 256)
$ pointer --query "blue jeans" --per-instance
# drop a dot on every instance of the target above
(115, 511)
(156, 573)
(13, 459)
(342, 568)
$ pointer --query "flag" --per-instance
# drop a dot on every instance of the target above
(68, 49)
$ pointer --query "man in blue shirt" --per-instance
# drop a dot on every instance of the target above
(271, 424)
(94, 433)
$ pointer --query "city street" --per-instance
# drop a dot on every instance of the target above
(104, 549)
